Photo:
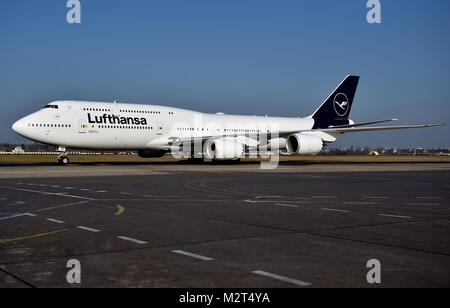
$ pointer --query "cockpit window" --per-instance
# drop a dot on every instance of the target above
(50, 106)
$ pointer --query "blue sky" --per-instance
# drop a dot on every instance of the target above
(280, 58)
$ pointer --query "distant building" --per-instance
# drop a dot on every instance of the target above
(18, 150)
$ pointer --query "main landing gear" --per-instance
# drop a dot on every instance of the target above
(62, 158)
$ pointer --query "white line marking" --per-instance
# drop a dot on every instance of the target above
(287, 205)
(376, 197)
(100, 191)
(428, 197)
(17, 203)
(176, 200)
(323, 197)
(283, 278)
(192, 255)
(18, 215)
(48, 193)
(55, 220)
(268, 197)
(361, 203)
(56, 186)
(85, 189)
(412, 203)
(302, 198)
(395, 216)
(69, 187)
(334, 210)
(59, 206)
(88, 229)
(44, 209)
(132, 240)
(43, 185)
(153, 196)
(257, 201)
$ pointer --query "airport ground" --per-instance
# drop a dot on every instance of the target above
(109, 158)
(311, 222)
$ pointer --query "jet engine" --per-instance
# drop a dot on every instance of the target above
(304, 144)
(224, 149)
(151, 153)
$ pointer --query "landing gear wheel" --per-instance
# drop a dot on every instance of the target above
(64, 160)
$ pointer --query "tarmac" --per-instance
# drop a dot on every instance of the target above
(194, 225)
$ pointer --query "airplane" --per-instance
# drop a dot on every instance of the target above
(154, 131)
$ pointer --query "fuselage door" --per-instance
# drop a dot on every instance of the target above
(82, 126)
(115, 110)
(159, 128)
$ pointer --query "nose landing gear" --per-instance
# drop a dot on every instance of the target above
(62, 158)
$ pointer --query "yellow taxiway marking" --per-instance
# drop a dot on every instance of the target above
(120, 210)
(31, 236)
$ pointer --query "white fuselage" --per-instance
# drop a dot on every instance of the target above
(114, 126)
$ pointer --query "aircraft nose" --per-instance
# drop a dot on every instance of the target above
(18, 126)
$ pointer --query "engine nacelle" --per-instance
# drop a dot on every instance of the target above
(151, 153)
(224, 149)
(304, 144)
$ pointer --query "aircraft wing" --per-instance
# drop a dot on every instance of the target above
(351, 128)
(363, 123)
(342, 130)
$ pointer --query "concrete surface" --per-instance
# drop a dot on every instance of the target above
(217, 226)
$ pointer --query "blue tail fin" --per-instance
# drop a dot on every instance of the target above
(335, 110)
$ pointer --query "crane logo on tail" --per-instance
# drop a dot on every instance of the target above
(341, 104)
